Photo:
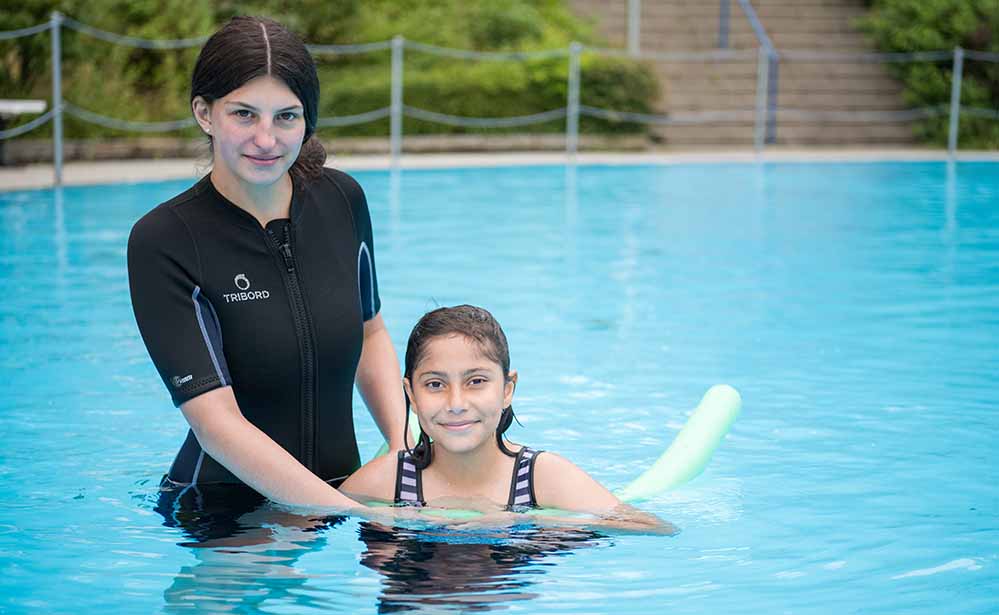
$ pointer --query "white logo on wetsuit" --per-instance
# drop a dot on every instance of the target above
(179, 382)
(245, 294)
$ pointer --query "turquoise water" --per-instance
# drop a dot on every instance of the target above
(855, 306)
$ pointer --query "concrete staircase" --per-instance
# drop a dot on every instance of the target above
(730, 85)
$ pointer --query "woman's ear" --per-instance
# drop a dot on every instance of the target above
(509, 387)
(202, 111)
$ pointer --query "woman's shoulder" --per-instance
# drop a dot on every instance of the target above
(166, 219)
(344, 183)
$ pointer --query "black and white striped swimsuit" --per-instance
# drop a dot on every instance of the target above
(409, 481)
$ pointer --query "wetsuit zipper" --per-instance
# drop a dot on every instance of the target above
(303, 328)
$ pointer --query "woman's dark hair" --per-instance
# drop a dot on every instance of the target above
(475, 324)
(249, 47)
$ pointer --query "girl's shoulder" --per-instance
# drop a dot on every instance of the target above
(559, 483)
(375, 479)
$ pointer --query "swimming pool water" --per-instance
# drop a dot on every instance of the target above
(855, 306)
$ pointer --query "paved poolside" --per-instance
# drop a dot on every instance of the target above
(131, 171)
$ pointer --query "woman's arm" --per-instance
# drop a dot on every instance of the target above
(380, 382)
(250, 454)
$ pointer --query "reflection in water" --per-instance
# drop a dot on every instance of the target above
(247, 551)
(441, 569)
(59, 236)
(950, 203)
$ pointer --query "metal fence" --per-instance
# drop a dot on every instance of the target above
(763, 116)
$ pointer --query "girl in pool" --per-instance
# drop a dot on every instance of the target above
(460, 386)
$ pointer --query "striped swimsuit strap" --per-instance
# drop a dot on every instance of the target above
(408, 482)
(522, 482)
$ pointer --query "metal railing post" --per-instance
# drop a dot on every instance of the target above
(395, 130)
(773, 76)
(955, 100)
(572, 102)
(56, 21)
(634, 26)
(762, 92)
(724, 10)
(773, 71)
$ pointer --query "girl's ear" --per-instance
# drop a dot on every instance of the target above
(202, 111)
(408, 389)
(509, 387)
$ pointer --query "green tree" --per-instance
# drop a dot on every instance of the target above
(930, 25)
(153, 84)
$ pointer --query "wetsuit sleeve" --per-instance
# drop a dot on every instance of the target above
(178, 324)
(367, 278)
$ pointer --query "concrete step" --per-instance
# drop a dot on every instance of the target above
(832, 89)
(818, 5)
(866, 77)
(687, 99)
(810, 40)
(803, 135)
(845, 102)
(817, 25)
(706, 135)
(852, 70)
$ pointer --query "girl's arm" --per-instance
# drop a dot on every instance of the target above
(380, 383)
(257, 460)
(559, 483)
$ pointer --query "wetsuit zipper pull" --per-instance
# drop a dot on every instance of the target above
(286, 250)
(286, 253)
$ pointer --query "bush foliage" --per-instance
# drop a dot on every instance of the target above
(153, 85)
(929, 25)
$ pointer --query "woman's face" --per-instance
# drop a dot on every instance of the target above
(257, 130)
(459, 394)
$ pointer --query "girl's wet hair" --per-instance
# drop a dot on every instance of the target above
(477, 325)
(249, 47)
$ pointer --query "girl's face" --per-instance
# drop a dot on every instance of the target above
(459, 394)
(257, 130)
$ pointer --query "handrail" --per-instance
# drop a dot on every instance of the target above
(724, 12)
(984, 56)
(754, 21)
(772, 67)
(12, 34)
(132, 41)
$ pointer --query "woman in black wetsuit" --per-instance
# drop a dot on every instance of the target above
(255, 290)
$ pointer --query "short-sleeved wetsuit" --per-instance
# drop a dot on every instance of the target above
(277, 313)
